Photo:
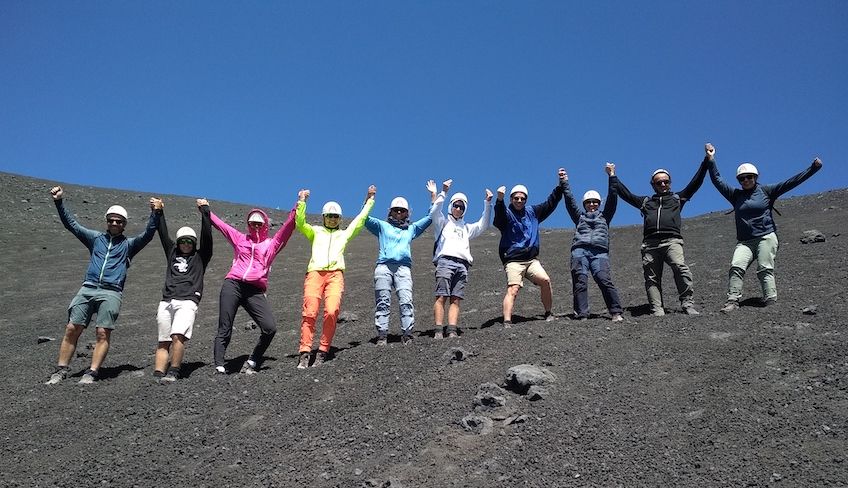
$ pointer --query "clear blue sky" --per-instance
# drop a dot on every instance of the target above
(251, 101)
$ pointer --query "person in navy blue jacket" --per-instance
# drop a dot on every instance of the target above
(520, 243)
(102, 288)
(756, 231)
(590, 247)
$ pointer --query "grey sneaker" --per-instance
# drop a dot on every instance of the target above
(616, 317)
(507, 324)
(171, 376)
(220, 370)
(89, 377)
(452, 334)
(320, 357)
(549, 316)
(690, 310)
(406, 339)
(249, 367)
(439, 334)
(59, 375)
(303, 362)
(768, 302)
(658, 312)
(381, 340)
(730, 306)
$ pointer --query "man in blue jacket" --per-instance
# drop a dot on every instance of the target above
(519, 245)
(102, 288)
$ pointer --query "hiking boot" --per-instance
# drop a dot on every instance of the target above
(730, 306)
(60, 374)
(158, 375)
(690, 310)
(249, 367)
(220, 370)
(439, 334)
(303, 362)
(406, 339)
(768, 302)
(549, 316)
(452, 335)
(507, 324)
(382, 340)
(616, 317)
(89, 377)
(171, 376)
(319, 359)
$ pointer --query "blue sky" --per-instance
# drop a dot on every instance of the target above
(251, 101)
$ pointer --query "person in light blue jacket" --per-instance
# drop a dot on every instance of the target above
(394, 267)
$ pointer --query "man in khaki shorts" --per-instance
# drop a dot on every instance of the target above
(519, 245)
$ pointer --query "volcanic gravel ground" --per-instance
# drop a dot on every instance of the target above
(753, 398)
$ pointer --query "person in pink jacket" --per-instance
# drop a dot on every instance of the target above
(247, 281)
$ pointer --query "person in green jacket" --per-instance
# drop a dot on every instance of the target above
(325, 272)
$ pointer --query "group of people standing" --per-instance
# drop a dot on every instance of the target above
(254, 251)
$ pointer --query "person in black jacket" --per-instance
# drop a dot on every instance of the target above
(187, 260)
(662, 241)
(519, 244)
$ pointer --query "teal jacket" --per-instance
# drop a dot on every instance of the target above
(394, 241)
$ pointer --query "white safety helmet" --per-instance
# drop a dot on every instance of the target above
(519, 189)
(591, 195)
(658, 172)
(117, 210)
(460, 197)
(746, 169)
(187, 232)
(331, 208)
(399, 202)
(256, 217)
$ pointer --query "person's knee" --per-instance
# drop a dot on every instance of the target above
(103, 334)
(310, 307)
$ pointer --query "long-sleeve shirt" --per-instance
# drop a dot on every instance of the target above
(254, 252)
(453, 236)
(752, 208)
(520, 229)
(395, 243)
(661, 211)
(110, 255)
(184, 272)
(328, 245)
(592, 227)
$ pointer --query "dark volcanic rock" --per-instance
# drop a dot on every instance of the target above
(811, 236)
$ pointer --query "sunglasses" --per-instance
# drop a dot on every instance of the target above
(520, 199)
(745, 177)
(662, 182)
(399, 210)
(255, 224)
(115, 221)
(459, 206)
(332, 216)
(185, 241)
(592, 202)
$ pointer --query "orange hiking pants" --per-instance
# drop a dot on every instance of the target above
(328, 285)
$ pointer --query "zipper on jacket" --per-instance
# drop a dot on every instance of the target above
(329, 247)
(659, 209)
(105, 258)
(249, 263)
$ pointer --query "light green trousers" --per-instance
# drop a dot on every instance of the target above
(764, 250)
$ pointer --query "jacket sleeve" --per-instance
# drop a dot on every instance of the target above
(138, 242)
(611, 204)
(284, 233)
(229, 232)
(481, 225)
(164, 238)
(500, 220)
(300, 221)
(86, 236)
(373, 225)
(545, 209)
(358, 222)
(779, 189)
(436, 213)
(205, 244)
(419, 226)
(625, 194)
(697, 180)
(569, 202)
(718, 182)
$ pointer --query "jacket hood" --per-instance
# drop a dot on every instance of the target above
(262, 233)
(458, 197)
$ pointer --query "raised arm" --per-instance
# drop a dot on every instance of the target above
(611, 204)
(164, 238)
(86, 236)
(568, 200)
(205, 244)
(625, 193)
(284, 232)
(500, 220)
(545, 209)
(438, 201)
(689, 191)
(358, 222)
(721, 185)
(230, 233)
(300, 216)
(138, 242)
(780, 188)
(481, 225)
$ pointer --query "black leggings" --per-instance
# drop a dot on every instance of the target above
(255, 303)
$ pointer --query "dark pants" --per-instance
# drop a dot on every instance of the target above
(596, 262)
(255, 303)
